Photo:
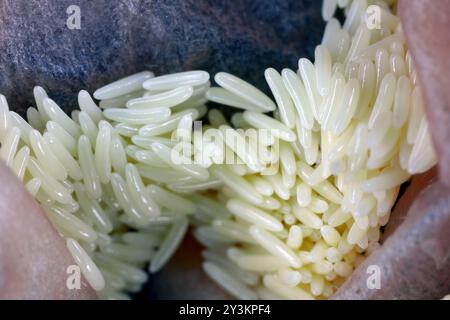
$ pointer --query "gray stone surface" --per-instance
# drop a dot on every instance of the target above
(121, 37)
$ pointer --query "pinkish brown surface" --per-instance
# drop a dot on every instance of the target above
(33, 257)
(414, 262)
(426, 25)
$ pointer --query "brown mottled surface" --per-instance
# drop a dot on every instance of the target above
(426, 25)
(415, 260)
(33, 257)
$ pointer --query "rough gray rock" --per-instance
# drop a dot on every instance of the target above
(121, 37)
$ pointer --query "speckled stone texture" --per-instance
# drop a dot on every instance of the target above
(121, 37)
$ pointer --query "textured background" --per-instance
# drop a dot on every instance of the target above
(121, 37)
